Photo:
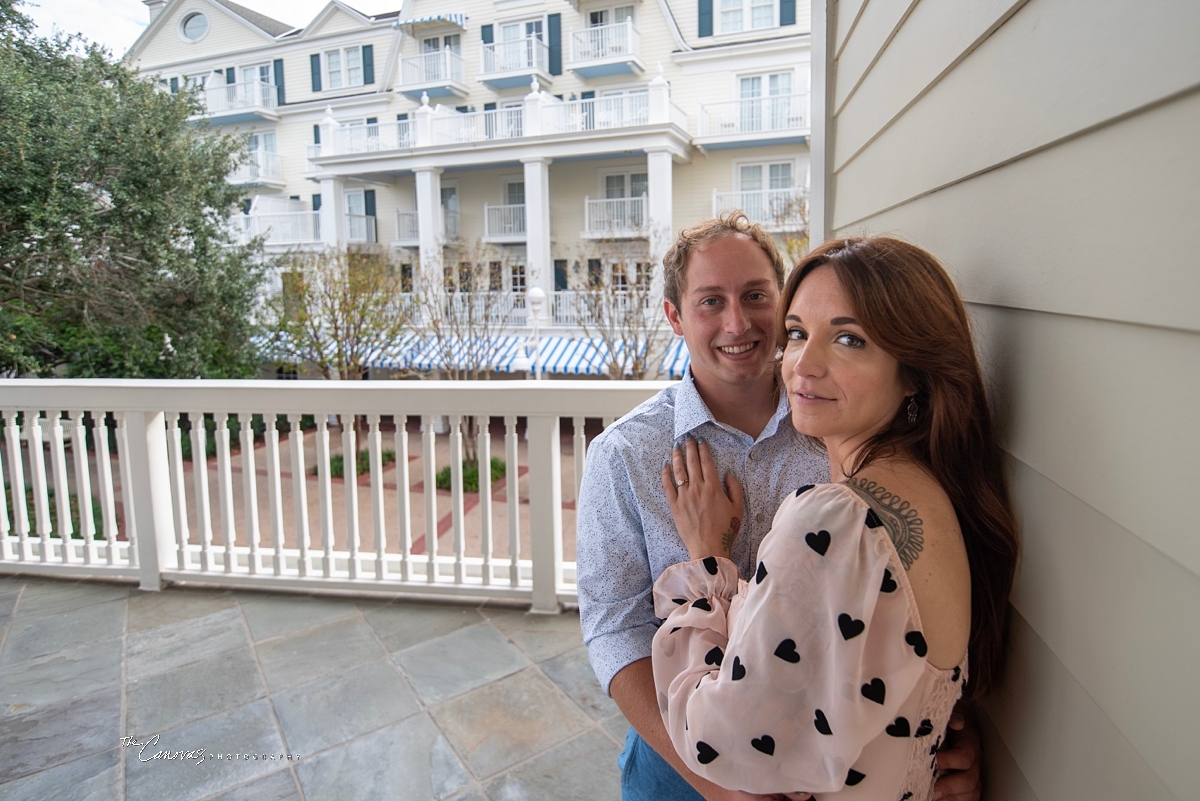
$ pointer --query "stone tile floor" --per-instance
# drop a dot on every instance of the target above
(374, 699)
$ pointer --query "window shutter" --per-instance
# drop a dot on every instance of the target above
(705, 18)
(486, 33)
(369, 202)
(368, 58)
(554, 42)
(174, 85)
(230, 76)
(372, 120)
(489, 106)
(787, 12)
(317, 202)
(315, 62)
(246, 205)
(279, 78)
(316, 134)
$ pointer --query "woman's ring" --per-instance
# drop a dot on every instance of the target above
(680, 482)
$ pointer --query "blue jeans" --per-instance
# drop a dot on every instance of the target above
(646, 776)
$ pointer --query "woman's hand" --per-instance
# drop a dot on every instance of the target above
(707, 519)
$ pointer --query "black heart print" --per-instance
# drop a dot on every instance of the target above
(854, 777)
(898, 728)
(739, 670)
(917, 640)
(889, 583)
(766, 744)
(786, 651)
(822, 723)
(714, 657)
(710, 564)
(819, 541)
(957, 674)
(702, 603)
(850, 627)
(875, 691)
(804, 489)
(705, 753)
(761, 573)
(925, 727)
(873, 520)
(680, 601)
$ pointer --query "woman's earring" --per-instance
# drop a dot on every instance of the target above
(912, 410)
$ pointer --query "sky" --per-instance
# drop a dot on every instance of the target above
(117, 23)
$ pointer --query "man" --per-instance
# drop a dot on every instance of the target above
(722, 281)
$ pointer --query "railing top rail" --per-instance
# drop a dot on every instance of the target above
(496, 398)
(746, 100)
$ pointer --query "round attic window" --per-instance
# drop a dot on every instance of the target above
(194, 26)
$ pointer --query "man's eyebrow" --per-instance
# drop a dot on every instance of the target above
(717, 288)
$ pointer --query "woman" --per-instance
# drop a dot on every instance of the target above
(834, 669)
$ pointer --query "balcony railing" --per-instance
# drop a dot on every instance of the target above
(504, 223)
(571, 308)
(754, 115)
(409, 230)
(246, 95)
(311, 152)
(283, 228)
(373, 137)
(450, 223)
(519, 55)
(477, 126)
(360, 228)
(605, 42)
(597, 113)
(260, 518)
(782, 209)
(431, 68)
(614, 217)
(497, 308)
(260, 165)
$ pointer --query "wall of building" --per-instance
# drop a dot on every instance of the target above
(1045, 151)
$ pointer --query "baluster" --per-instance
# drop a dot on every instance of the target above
(456, 496)
(225, 488)
(580, 453)
(12, 436)
(5, 545)
(37, 470)
(350, 476)
(511, 481)
(428, 442)
(274, 494)
(199, 435)
(83, 487)
(62, 492)
(375, 446)
(299, 491)
(108, 499)
(403, 497)
(126, 467)
(483, 447)
(250, 487)
(178, 494)
(325, 493)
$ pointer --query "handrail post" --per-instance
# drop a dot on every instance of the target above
(151, 495)
(545, 511)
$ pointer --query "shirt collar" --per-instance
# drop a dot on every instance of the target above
(691, 411)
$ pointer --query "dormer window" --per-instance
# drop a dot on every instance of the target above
(194, 26)
(344, 67)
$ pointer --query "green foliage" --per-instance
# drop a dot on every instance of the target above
(115, 257)
(470, 475)
(97, 515)
(362, 465)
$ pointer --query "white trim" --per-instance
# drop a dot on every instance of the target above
(184, 17)
(327, 11)
(277, 50)
(720, 51)
(626, 170)
(676, 34)
(160, 21)
(765, 162)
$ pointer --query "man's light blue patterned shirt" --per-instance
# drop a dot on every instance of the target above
(626, 536)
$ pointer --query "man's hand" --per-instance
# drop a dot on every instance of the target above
(960, 760)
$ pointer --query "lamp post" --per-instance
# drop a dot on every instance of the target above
(536, 304)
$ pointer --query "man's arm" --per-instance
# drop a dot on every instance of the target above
(960, 760)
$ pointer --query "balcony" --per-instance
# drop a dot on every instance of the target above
(262, 168)
(373, 137)
(508, 65)
(781, 210)
(504, 224)
(282, 228)
(497, 309)
(779, 119)
(247, 101)
(571, 309)
(606, 50)
(311, 152)
(596, 114)
(360, 228)
(452, 127)
(617, 218)
(408, 231)
(437, 74)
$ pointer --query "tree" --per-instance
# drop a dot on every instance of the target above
(115, 254)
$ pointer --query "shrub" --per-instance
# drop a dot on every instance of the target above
(470, 475)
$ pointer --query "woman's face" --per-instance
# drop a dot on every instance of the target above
(842, 386)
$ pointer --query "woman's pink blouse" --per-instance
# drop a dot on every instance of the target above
(812, 676)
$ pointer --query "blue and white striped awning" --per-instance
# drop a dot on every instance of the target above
(454, 19)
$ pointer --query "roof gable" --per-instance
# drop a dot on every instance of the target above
(335, 17)
(243, 18)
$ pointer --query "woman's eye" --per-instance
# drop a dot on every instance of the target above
(796, 335)
(851, 341)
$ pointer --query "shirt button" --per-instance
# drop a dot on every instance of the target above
(752, 456)
(759, 517)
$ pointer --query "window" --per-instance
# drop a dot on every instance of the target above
(606, 16)
(514, 193)
(739, 15)
(263, 141)
(194, 26)
(259, 72)
(517, 278)
(766, 194)
(775, 111)
(495, 276)
(344, 67)
(451, 42)
(638, 184)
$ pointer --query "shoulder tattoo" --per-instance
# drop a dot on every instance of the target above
(903, 524)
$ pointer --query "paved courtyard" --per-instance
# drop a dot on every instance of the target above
(372, 699)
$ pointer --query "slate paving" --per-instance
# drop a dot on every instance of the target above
(371, 699)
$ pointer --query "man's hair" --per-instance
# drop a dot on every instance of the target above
(731, 223)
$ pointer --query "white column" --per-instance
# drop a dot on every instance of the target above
(659, 165)
(545, 512)
(429, 227)
(333, 211)
(659, 98)
(540, 266)
(151, 496)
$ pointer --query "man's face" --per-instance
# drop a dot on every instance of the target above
(727, 312)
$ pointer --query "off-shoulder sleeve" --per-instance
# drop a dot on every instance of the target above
(778, 686)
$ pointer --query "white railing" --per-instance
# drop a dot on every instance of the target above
(754, 115)
(264, 516)
(450, 223)
(605, 41)
(503, 221)
(312, 152)
(283, 228)
(477, 126)
(770, 207)
(442, 66)
(573, 308)
(373, 137)
(360, 228)
(408, 228)
(596, 113)
(244, 95)
(261, 164)
(613, 216)
(529, 53)
(494, 307)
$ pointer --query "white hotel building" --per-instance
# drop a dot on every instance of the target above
(536, 127)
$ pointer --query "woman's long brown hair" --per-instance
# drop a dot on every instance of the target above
(909, 306)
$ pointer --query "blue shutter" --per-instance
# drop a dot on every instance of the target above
(368, 54)
(554, 42)
(230, 75)
(316, 134)
(369, 202)
(317, 202)
(279, 78)
(174, 85)
(787, 12)
(705, 18)
(314, 61)
(486, 33)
